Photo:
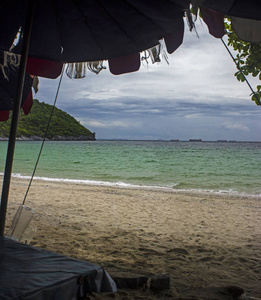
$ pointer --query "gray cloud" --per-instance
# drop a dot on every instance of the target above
(196, 95)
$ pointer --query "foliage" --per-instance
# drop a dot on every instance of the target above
(35, 124)
(248, 59)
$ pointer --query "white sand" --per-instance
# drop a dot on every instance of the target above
(201, 240)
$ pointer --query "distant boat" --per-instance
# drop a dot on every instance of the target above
(222, 141)
(195, 140)
(177, 140)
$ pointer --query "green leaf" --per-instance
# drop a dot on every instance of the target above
(255, 73)
(248, 58)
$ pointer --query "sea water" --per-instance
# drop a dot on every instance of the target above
(219, 167)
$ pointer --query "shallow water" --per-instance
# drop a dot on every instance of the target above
(222, 167)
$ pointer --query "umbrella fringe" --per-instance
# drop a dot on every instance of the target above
(155, 53)
(78, 70)
(189, 16)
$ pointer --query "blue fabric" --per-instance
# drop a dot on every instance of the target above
(8, 83)
(29, 273)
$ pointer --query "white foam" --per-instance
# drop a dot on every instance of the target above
(87, 182)
(129, 185)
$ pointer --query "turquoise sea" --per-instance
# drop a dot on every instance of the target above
(220, 167)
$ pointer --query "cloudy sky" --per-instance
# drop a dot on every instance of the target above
(194, 96)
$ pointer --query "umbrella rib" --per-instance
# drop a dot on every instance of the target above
(90, 30)
(149, 19)
(116, 22)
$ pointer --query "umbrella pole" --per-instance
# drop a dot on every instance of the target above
(15, 116)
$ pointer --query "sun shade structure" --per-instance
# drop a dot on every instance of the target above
(8, 80)
(31, 273)
(68, 31)
(92, 30)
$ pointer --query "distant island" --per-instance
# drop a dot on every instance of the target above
(63, 127)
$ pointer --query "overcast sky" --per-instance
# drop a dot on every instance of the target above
(195, 96)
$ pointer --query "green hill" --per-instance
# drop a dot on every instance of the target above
(33, 126)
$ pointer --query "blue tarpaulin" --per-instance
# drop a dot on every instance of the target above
(29, 273)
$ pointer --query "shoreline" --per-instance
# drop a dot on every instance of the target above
(223, 193)
(203, 241)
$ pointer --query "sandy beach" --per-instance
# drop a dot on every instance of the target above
(204, 242)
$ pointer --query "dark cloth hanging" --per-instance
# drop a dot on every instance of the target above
(9, 67)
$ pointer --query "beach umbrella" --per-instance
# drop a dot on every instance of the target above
(54, 32)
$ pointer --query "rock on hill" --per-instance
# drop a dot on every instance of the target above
(33, 126)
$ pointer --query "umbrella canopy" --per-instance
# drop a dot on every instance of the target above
(91, 30)
(69, 31)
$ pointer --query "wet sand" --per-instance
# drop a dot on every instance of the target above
(205, 242)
